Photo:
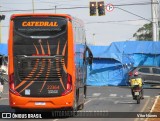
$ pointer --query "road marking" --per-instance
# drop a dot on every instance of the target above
(116, 102)
(142, 110)
(87, 102)
(157, 97)
(96, 94)
(128, 95)
(113, 95)
(3, 99)
(154, 103)
(55, 120)
(145, 105)
(145, 96)
(123, 102)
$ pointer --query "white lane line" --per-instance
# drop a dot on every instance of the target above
(146, 104)
(113, 95)
(55, 120)
(144, 107)
(157, 97)
(145, 96)
(3, 99)
(96, 94)
(87, 102)
(128, 95)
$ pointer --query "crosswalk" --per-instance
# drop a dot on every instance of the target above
(114, 95)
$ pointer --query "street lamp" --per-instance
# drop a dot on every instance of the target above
(2, 17)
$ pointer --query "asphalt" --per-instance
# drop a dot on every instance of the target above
(117, 101)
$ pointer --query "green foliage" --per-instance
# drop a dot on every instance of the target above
(144, 33)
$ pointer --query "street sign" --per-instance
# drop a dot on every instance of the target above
(109, 7)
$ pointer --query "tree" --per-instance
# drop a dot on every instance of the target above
(144, 33)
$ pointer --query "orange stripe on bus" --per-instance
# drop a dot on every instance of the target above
(42, 86)
(31, 73)
(58, 48)
(41, 69)
(48, 70)
(64, 66)
(63, 53)
(64, 49)
(26, 86)
(62, 84)
(49, 51)
(42, 48)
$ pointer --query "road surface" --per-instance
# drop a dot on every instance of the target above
(103, 99)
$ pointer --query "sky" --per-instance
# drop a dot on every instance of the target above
(117, 25)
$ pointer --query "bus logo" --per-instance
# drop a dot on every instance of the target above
(39, 23)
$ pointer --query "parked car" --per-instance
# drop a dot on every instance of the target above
(149, 74)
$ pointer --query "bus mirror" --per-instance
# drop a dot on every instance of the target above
(90, 59)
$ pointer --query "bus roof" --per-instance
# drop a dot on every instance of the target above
(41, 14)
(48, 14)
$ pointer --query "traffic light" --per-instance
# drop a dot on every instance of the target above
(101, 8)
(2, 17)
(93, 9)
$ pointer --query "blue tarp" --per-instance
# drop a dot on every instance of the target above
(112, 63)
(3, 49)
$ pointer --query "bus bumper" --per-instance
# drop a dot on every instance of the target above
(41, 103)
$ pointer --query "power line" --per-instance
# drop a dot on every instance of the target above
(125, 4)
(44, 9)
(113, 21)
(81, 7)
(134, 14)
(131, 4)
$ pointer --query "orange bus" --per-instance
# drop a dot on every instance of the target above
(47, 62)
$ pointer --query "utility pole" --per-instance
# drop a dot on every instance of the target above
(155, 28)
